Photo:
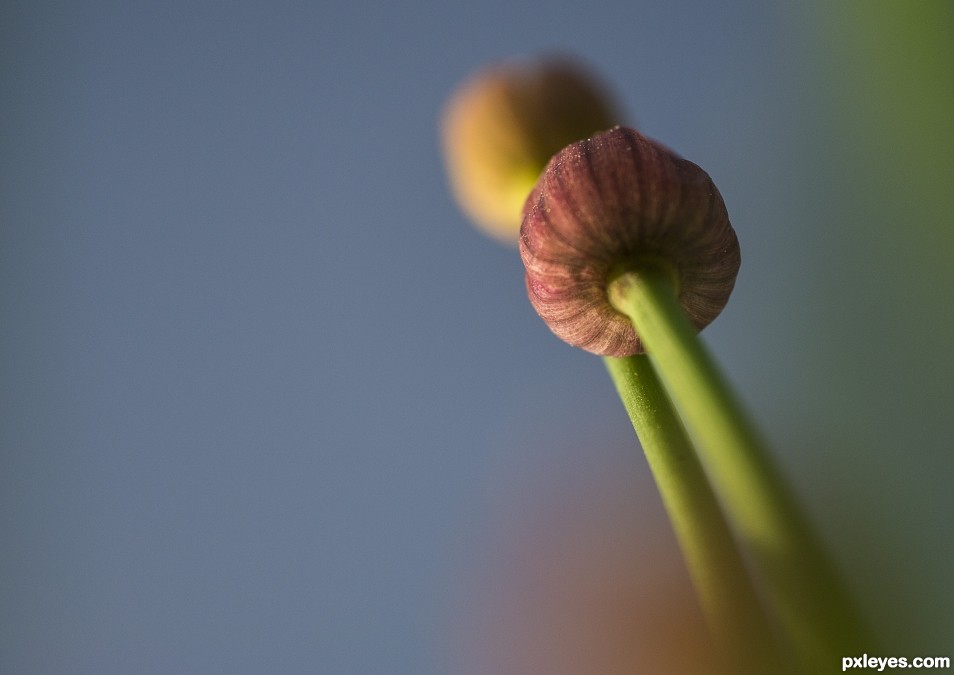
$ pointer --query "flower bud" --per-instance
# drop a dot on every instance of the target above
(611, 204)
(501, 127)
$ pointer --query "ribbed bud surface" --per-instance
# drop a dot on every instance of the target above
(606, 204)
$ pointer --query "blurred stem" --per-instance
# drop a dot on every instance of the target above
(803, 588)
(735, 617)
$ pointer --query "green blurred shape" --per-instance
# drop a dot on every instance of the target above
(886, 186)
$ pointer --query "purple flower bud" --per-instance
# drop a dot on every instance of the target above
(608, 205)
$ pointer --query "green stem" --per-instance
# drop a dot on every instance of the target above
(808, 595)
(740, 628)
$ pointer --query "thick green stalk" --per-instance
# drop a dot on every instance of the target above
(807, 594)
(740, 628)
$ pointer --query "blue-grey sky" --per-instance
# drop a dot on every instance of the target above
(263, 389)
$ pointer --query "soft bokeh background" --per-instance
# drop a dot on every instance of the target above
(268, 403)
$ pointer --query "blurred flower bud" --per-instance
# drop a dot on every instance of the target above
(501, 127)
(607, 205)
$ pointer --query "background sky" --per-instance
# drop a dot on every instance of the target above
(269, 403)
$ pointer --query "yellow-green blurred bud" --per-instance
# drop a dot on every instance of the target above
(501, 127)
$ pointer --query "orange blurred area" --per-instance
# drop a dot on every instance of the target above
(581, 574)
